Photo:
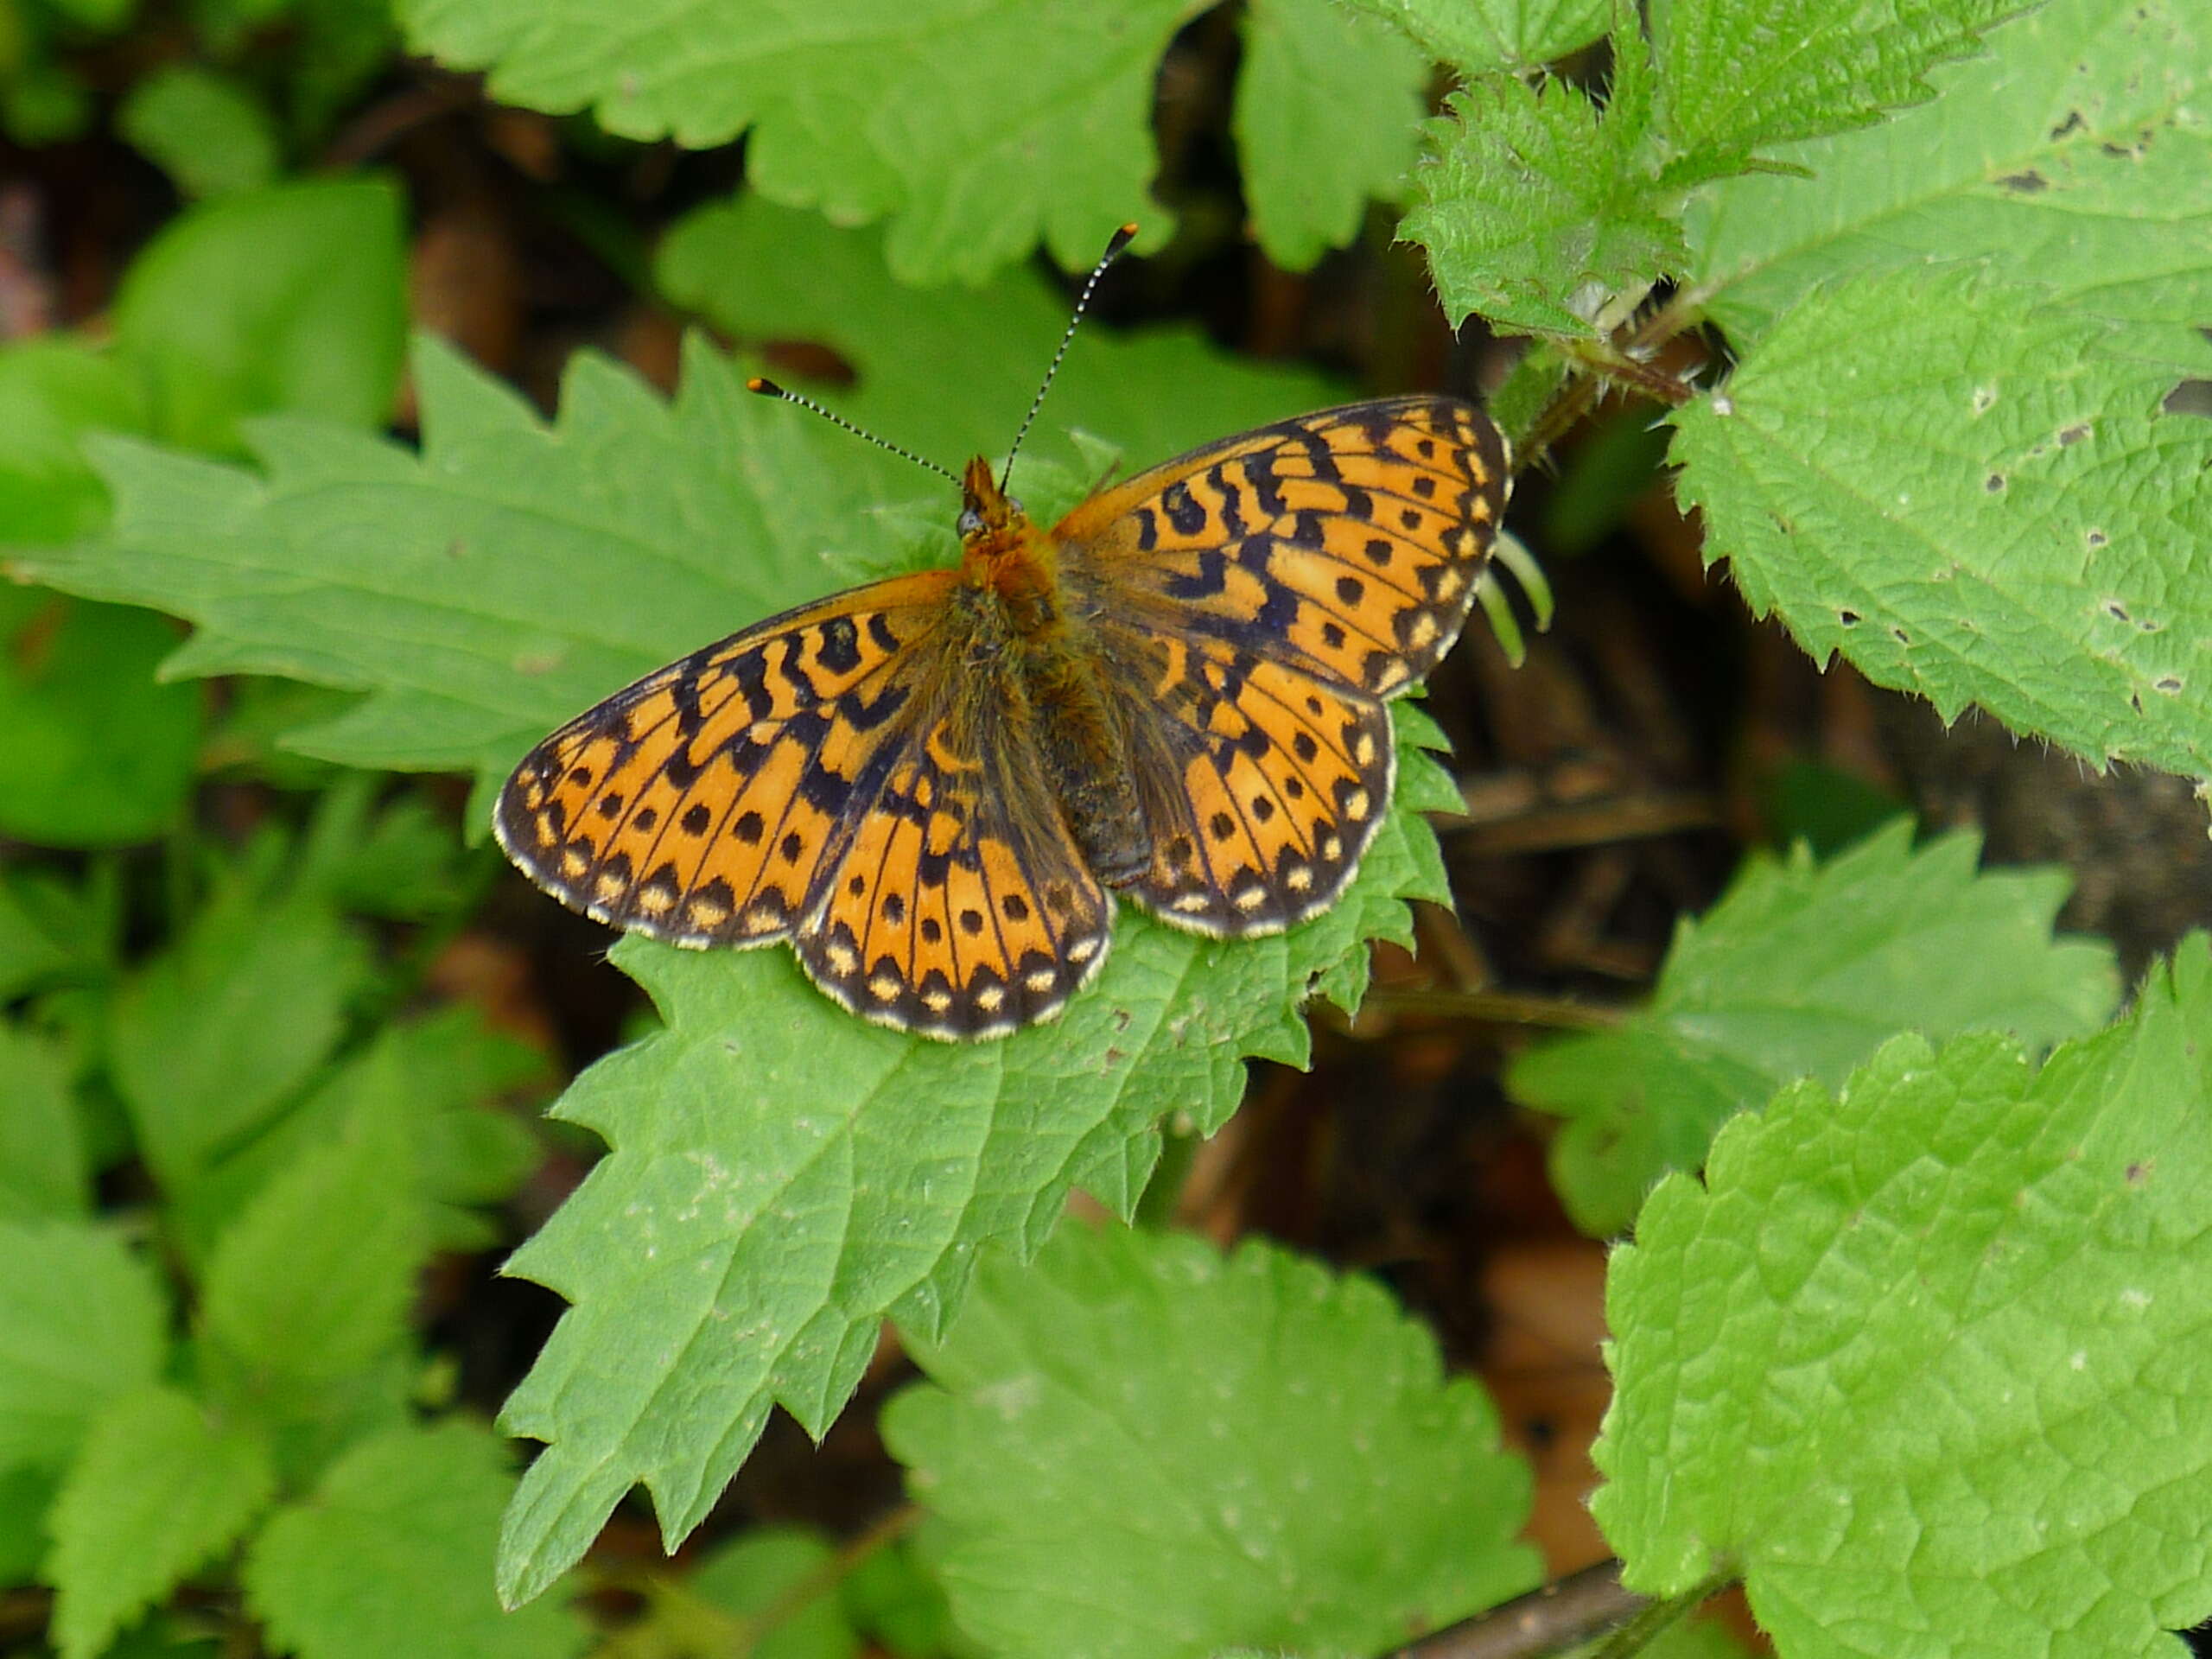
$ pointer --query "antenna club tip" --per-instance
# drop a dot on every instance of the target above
(765, 386)
(1121, 239)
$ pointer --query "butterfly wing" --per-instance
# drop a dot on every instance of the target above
(961, 908)
(1348, 542)
(1258, 601)
(702, 805)
(1261, 783)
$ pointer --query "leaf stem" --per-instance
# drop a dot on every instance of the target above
(1552, 1619)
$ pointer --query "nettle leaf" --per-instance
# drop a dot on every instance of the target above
(1737, 76)
(1134, 1447)
(950, 373)
(729, 1254)
(43, 1166)
(160, 1488)
(1803, 971)
(82, 1320)
(392, 1553)
(975, 131)
(1536, 209)
(2071, 156)
(2024, 552)
(1329, 111)
(1477, 36)
(1927, 1361)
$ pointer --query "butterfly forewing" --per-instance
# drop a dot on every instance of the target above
(1349, 541)
(702, 804)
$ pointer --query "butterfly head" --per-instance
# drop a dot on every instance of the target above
(991, 521)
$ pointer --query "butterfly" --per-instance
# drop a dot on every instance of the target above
(932, 785)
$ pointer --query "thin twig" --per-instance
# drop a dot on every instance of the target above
(1564, 1614)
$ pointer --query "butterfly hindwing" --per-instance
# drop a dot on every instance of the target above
(700, 805)
(1262, 783)
(1348, 541)
(961, 907)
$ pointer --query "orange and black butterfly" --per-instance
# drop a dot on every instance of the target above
(931, 784)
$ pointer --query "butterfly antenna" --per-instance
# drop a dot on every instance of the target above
(1121, 240)
(768, 388)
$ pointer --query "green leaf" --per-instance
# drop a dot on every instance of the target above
(892, 1598)
(428, 1083)
(1737, 76)
(2024, 554)
(26, 1494)
(1926, 1360)
(311, 1284)
(1536, 210)
(750, 1574)
(207, 132)
(98, 754)
(727, 1254)
(1133, 1447)
(52, 391)
(1478, 36)
(763, 272)
(291, 297)
(1802, 971)
(976, 131)
(1329, 108)
(210, 1038)
(82, 1320)
(53, 932)
(2071, 157)
(43, 1173)
(158, 1490)
(398, 858)
(392, 1554)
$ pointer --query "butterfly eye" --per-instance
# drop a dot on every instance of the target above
(971, 521)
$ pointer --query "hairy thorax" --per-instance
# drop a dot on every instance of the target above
(1048, 656)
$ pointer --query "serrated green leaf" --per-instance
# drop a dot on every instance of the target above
(2024, 553)
(1737, 76)
(1478, 36)
(426, 1081)
(396, 858)
(727, 1254)
(762, 272)
(43, 1173)
(98, 754)
(82, 1320)
(1802, 971)
(206, 131)
(392, 1555)
(1133, 1447)
(749, 1575)
(158, 1489)
(2072, 156)
(976, 131)
(209, 1039)
(52, 391)
(1536, 210)
(311, 1283)
(291, 297)
(1329, 108)
(1926, 1360)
